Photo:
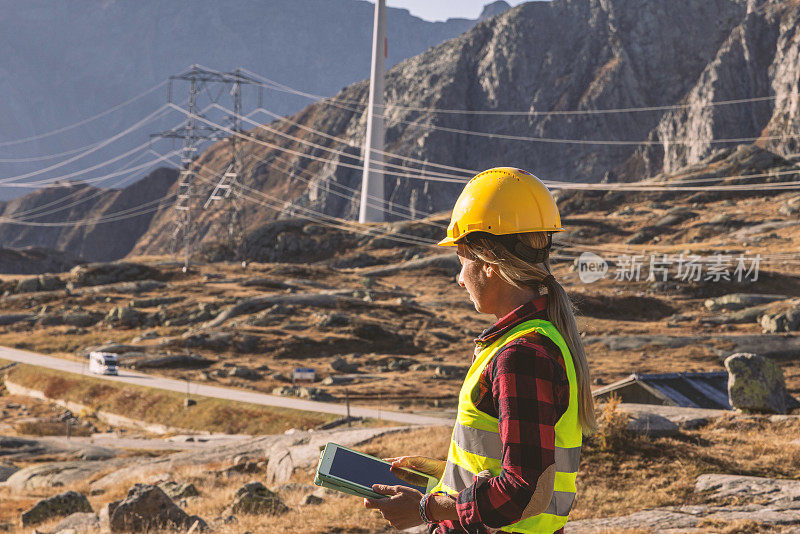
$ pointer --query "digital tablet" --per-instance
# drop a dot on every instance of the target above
(354, 472)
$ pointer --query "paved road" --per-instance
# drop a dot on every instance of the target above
(140, 379)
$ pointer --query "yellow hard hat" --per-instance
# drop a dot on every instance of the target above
(503, 200)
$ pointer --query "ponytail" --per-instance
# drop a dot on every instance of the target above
(560, 308)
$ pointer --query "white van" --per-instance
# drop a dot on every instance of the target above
(103, 363)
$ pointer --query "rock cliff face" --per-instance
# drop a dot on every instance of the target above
(544, 57)
(759, 57)
(81, 202)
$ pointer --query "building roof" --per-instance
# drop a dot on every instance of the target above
(690, 390)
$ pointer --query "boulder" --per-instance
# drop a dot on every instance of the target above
(55, 474)
(95, 274)
(13, 318)
(652, 425)
(772, 323)
(175, 490)
(63, 504)
(147, 507)
(447, 371)
(315, 394)
(208, 340)
(256, 304)
(81, 319)
(139, 286)
(50, 283)
(738, 301)
(291, 487)
(776, 491)
(79, 522)
(332, 320)
(255, 498)
(658, 520)
(125, 316)
(243, 372)
(756, 384)
(684, 418)
(6, 470)
(106, 512)
(343, 366)
(743, 316)
(311, 499)
(27, 285)
(280, 466)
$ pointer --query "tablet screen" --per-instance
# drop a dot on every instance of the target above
(366, 471)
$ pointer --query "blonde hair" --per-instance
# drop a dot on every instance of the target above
(560, 309)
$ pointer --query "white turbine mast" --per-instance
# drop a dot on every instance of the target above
(372, 180)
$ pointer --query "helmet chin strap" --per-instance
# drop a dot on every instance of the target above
(530, 254)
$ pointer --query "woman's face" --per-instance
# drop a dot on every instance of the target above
(476, 278)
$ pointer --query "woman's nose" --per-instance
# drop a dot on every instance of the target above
(461, 278)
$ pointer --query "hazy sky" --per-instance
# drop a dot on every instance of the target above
(444, 9)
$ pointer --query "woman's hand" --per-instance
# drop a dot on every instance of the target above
(423, 464)
(401, 509)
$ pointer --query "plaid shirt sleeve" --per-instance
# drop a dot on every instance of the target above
(529, 393)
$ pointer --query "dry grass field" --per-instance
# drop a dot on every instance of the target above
(627, 475)
(165, 407)
(407, 337)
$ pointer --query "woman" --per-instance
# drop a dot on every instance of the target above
(525, 402)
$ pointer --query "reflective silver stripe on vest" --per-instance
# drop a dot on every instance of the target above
(561, 503)
(568, 460)
(457, 477)
(480, 442)
(488, 444)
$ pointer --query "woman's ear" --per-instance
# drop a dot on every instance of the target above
(488, 270)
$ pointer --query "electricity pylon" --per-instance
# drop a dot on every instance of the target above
(227, 189)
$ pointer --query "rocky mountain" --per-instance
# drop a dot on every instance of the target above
(545, 57)
(32, 260)
(110, 220)
(541, 58)
(67, 61)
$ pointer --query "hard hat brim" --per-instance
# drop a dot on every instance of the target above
(450, 242)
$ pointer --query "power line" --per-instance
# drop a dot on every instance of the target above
(86, 181)
(37, 211)
(468, 173)
(276, 86)
(551, 183)
(48, 156)
(301, 154)
(321, 218)
(565, 141)
(152, 116)
(87, 120)
(111, 217)
(377, 203)
(556, 185)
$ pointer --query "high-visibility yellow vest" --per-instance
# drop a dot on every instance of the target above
(475, 445)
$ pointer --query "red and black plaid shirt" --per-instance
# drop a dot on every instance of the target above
(526, 388)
